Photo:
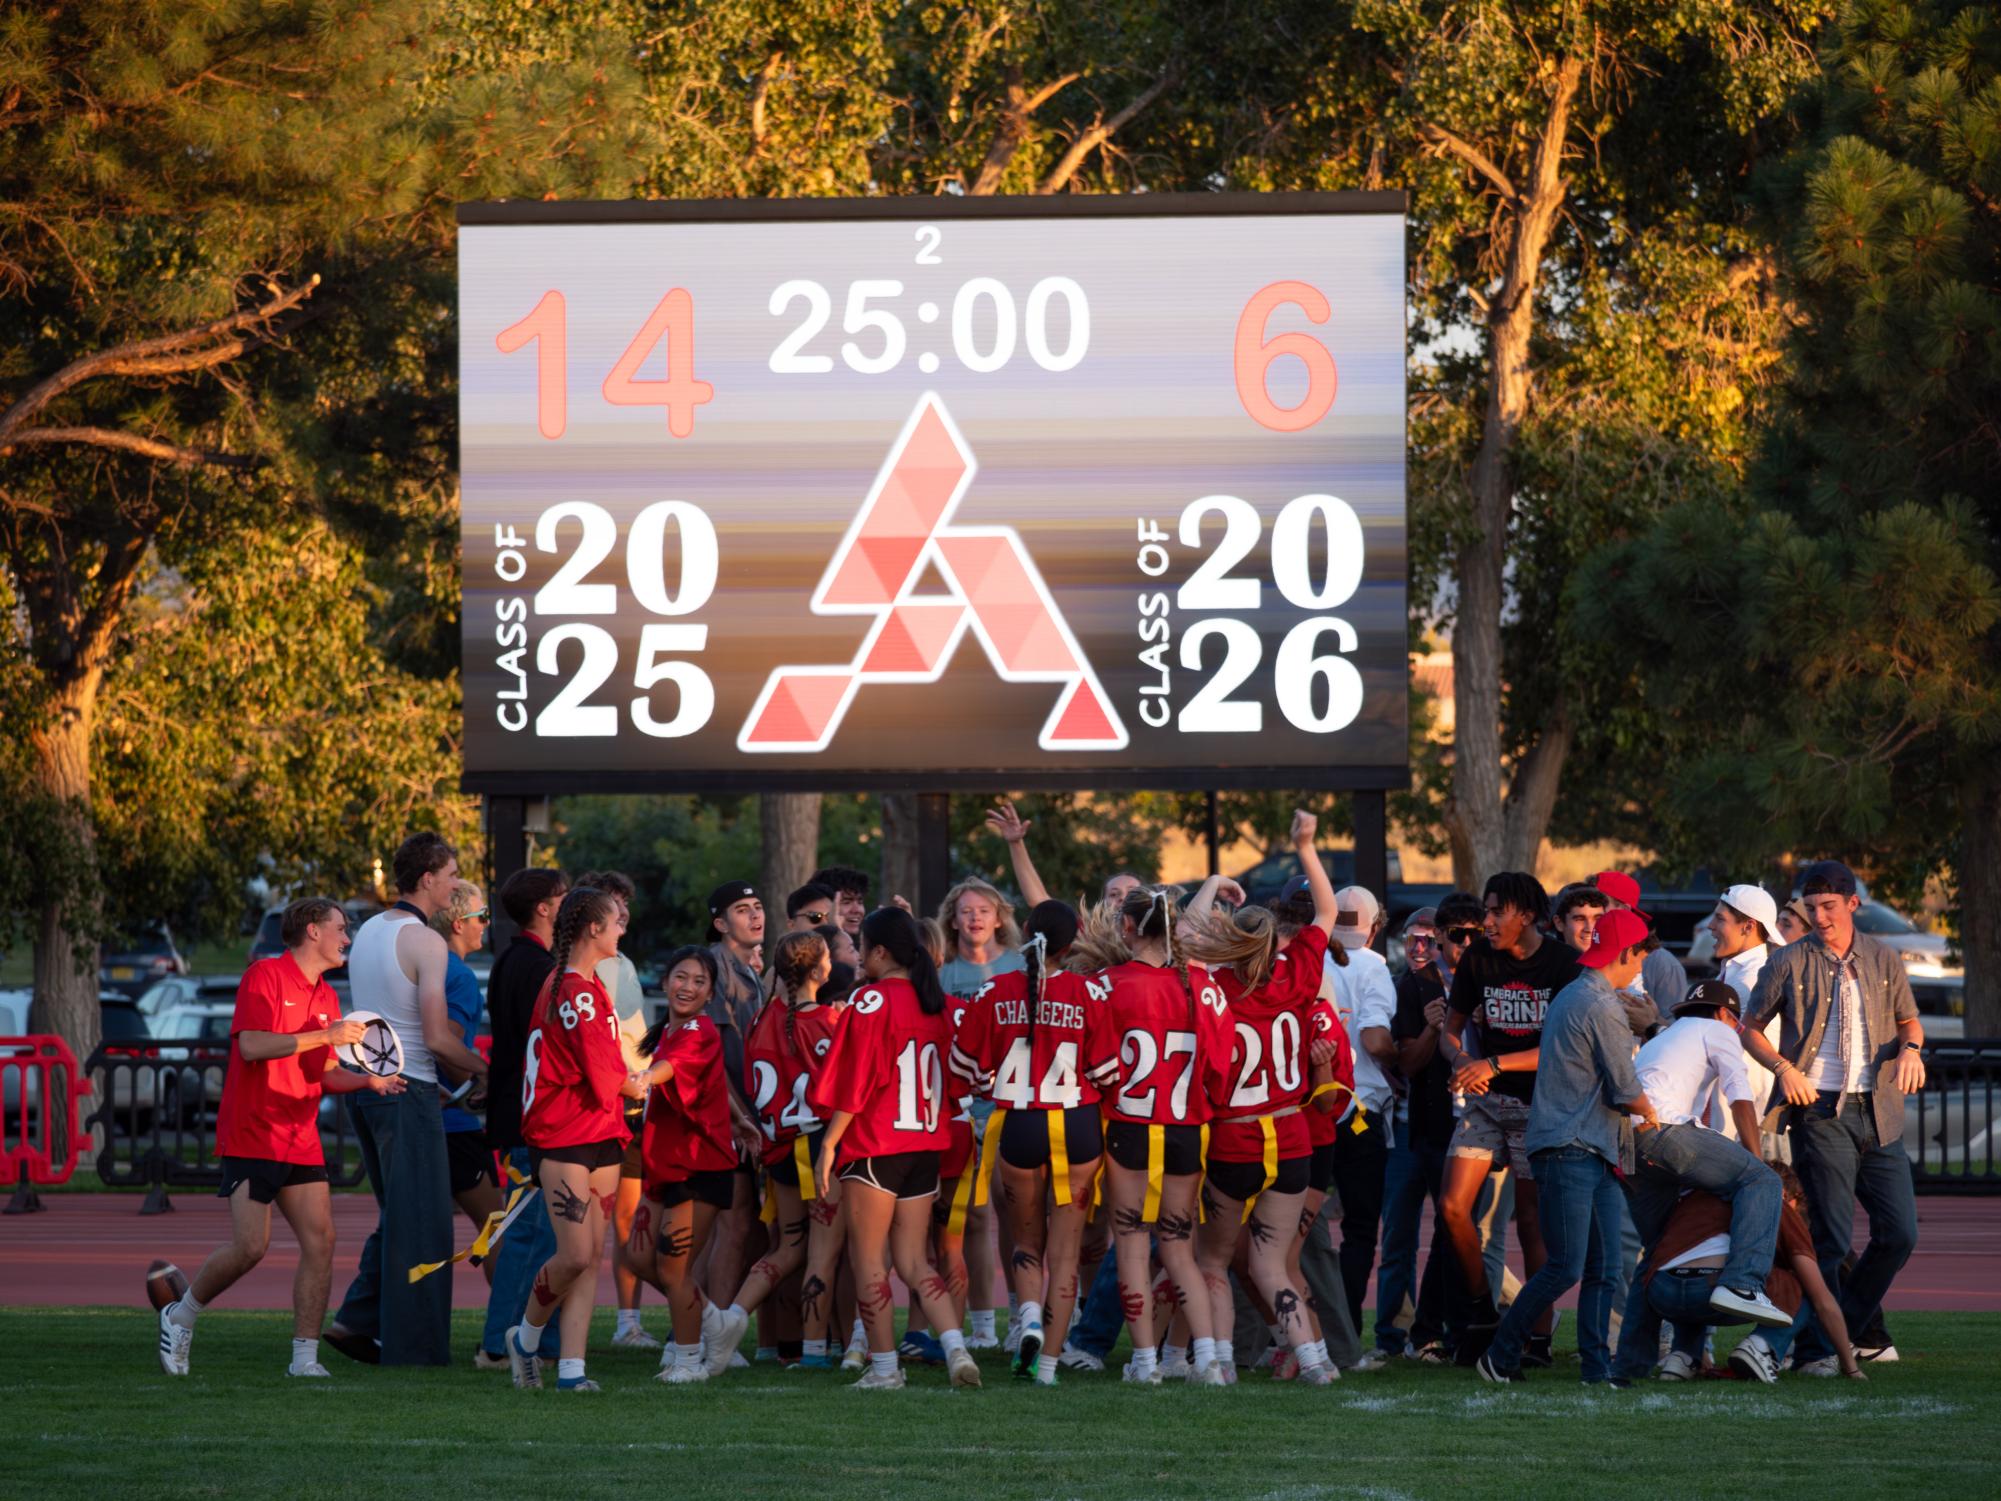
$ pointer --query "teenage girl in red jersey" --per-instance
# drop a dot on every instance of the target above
(690, 1158)
(573, 1097)
(792, 1034)
(1259, 1150)
(1153, 1135)
(883, 1091)
(1332, 1082)
(1042, 1046)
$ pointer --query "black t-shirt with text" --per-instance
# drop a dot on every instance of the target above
(1508, 999)
(1430, 1098)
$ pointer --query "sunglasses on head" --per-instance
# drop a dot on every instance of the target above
(1462, 935)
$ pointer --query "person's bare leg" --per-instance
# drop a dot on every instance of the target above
(249, 1238)
(308, 1209)
(1175, 1234)
(1065, 1237)
(868, 1212)
(625, 1270)
(1125, 1196)
(478, 1202)
(1215, 1246)
(1464, 1176)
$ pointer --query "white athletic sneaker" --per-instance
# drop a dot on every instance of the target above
(1753, 1358)
(965, 1370)
(1876, 1355)
(1013, 1341)
(1177, 1369)
(681, 1375)
(1372, 1360)
(1073, 1359)
(1269, 1359)
(1677, 1367)
(1319, 1375)
(982, 1342)
(729, 1334)
(871, 1382)
(526, 1365)
(856, 1355)
(634, 1338)
(737, 1362)
(1827, 1365)
(175, 1342)
(1210, 1375)
(1151, 1378)
(314, 1369)
(1754, 1306)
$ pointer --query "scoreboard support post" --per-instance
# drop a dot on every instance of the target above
(1372, 846)
(506, 852)
(934, 850)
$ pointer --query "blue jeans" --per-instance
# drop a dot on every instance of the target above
(1579, 1204)
(1673, 1158)
(402, 1141)
(1097, 1324)
(1840, 1161)
(1413, 1173)
(529, 1241)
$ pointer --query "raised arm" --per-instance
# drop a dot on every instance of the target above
(1013, 830)
(1304, 827)
(1205, 896)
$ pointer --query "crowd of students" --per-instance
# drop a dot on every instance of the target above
(1187, 1116)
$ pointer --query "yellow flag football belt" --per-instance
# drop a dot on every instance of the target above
(489, 1233)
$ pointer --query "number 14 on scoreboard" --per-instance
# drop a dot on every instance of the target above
(671, 324)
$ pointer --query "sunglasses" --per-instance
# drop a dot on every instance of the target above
(1411, 939)
(815, 918)
(485, 914)
(1462, 935)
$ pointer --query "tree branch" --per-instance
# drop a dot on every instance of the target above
(150, 448)
(1446, 143)
(759, 128)
(1102, 131)
(1021, 106)
(170, 354)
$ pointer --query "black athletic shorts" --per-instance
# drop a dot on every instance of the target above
(717, 1186)
(590, 1155)
(632, 1164)
(1024, 1136)
(786, 1169)
(266, 1177)
(1320, 1169)
(1244, 1181)
(901, 1175)
(469, 1159)
(1126, 1141)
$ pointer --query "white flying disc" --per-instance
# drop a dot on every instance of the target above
(380, 1050)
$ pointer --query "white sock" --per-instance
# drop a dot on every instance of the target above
(688, 1356)
(628, 1320)
(1313, 1352)
(1144, 1360)
(982, 1320)
(952, 1339)
(305, 1352)
(1225, 1353)
(858, 1335)
(184, 1311)
(1045, 1366)
(569, 1370)
(1171, 1354)
(883, 1364)
(1028, 1316)
(711, 1316)
(738, 1308)
(531, 1337)
(1204, 1353)
(813, 1347)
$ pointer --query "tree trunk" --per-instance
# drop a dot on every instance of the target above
(900, 870)
(65, 942)
(1482, 840)
(790, 822)
(1980, 903)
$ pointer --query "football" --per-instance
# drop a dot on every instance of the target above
(164, 1283)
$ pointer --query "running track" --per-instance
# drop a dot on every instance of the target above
(94, 1249)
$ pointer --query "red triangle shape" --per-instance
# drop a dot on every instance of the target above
(1084, 718)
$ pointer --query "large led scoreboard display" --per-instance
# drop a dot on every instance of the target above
(909, 493)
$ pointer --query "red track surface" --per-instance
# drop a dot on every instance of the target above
(94, 1249)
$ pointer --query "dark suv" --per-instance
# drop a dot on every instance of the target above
(129, 962)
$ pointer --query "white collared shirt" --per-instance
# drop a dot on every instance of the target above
(1364, 996)
(1681, 1065)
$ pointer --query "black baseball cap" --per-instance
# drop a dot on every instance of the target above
(1705, 994)
(728, 895)
(1827, 876)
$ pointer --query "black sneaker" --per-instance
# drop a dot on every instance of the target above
(1491, 1372)
(1536, 1355)
(1473, 1342)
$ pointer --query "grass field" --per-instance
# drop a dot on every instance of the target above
(89, 1414)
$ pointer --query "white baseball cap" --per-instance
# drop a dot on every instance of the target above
(1356, 913)
(1755, 903)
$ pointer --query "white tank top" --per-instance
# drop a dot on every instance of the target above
(376, 982)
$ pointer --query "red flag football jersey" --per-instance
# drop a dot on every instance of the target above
(1168, 1041)
(1267, 1069)
(574, 1067)
(688, 1114)
(1324, 1023)
(1071, 1055)
(887, 1069)
(781, 1071)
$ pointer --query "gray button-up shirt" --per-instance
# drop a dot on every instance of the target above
(1585, 1073)
(1801, 986)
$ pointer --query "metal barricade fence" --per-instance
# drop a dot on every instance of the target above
(1949, 1126)
(157, 1112)
(39, 1140)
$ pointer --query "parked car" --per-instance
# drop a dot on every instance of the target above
(159, 1001)
(129, 962)
(186, 1093)
(14, 1023)
(1925, 955)
(1941, 1006)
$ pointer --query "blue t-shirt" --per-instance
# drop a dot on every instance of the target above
(464, 1005)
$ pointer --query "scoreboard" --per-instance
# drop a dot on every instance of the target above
(929, 493)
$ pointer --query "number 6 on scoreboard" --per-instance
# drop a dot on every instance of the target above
(1255, 353)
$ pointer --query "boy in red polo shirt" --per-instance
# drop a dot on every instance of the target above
(282, 1038)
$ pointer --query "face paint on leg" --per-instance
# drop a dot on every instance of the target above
(766, 1270)
(1286, 1305)
(674, 1244)
(1306, 1219)
(811, 1292)
(1212, 1207)
(1261, 1232)
(795, 1232)
(934, 1286)
(642, 1231)
(1176, 1226)
(1134, 1305)
(608, 1203)
(823, 1211)
(1128, 1222)
(1026, 1260)
(544, 1295)
(567, 1204)
(874, 1297)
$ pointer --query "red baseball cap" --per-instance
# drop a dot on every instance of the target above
(1616, 932)
(1621, 887)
